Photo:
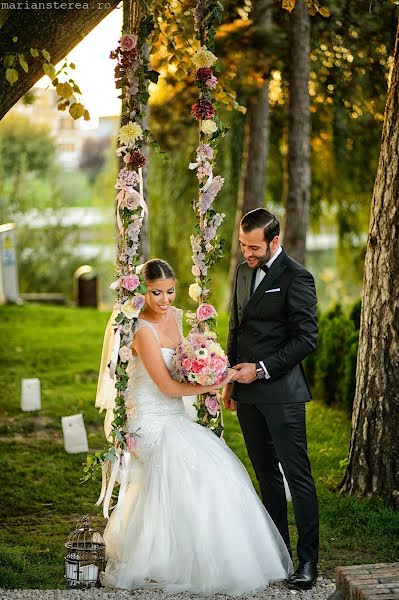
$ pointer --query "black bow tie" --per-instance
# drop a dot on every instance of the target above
(264, 268)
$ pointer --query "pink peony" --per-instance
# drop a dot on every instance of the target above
(128, 42)
(197, 366)
(212, 404)
(205, 312)
(130, 282)
(131, 442)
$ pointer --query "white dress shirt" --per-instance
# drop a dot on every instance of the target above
(258, 278)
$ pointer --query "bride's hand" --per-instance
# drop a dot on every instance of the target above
(231, 373)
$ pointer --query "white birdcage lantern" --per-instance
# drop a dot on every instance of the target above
(85, 557)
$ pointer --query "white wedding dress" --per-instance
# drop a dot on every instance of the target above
(191, 519)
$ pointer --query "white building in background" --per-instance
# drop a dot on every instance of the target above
(107, 126)
(69, 135)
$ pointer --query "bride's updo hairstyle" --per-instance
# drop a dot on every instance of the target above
(157, 269)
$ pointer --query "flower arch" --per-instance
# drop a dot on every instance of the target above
(132, 72)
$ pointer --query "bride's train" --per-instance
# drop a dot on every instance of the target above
(191, 519)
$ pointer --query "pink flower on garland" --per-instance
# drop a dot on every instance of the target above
(130, 282)
(131, 442)
(205, 312)
(203, 110)
(211, 82)
(212, 404)
(128, 42)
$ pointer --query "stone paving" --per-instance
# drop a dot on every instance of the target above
(367, 582)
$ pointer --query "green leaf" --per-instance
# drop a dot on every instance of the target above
(34, 52)
(46, 54)
(73, 66)
(64, 90)
(23, 63)
(12, 76)
(15, 39)
(76, 88)
(49, 71)
(9, 60)
(153, 76)
(86, 115)
(76, 110)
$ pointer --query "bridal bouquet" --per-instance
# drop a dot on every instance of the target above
(200, 359)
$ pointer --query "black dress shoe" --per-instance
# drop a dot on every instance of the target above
(304, 577)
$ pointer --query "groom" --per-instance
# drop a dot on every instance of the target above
(273, 327)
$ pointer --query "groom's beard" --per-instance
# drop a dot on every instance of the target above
(261, 260)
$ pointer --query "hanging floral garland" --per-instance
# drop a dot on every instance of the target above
(132, 72)
(206, 245)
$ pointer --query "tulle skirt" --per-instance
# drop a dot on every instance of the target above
(192, 521)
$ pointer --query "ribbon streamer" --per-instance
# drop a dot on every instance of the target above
(111, 484)
(115, 353)
(101, 497)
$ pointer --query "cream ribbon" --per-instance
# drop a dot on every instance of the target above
(115, 353)
(120, 466)
(206, 186)
(111, 484)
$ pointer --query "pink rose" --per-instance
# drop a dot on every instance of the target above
(187, 364)
(126, 158)
(195, 270)
(131, 442)
(205, 312)
(128, 42)
(212, 404)
(130, 282)
(218, 363)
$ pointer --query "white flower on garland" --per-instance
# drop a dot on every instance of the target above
(130, 133)
(125, 354)
(208, 126)
(203, 58)
(195, 291)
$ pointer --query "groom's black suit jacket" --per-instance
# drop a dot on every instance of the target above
(277, 327)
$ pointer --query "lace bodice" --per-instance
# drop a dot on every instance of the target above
(148, 408)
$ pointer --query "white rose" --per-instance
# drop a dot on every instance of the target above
(208, 126)
(194, 291)
(129, 310)
(125, 354)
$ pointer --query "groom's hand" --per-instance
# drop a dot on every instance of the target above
(228, 402)
(246, 372)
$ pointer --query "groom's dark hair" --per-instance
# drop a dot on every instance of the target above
(260, 217)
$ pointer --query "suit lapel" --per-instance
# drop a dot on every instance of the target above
(277, 268)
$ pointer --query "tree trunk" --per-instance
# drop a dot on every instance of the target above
(299, 125)
(57, 31)
(373, 468)
(255, 150)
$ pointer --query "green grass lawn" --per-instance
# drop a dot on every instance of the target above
(40, 496)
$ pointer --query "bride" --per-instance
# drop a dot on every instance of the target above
(191, 519)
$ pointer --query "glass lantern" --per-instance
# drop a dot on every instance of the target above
(85, 557)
